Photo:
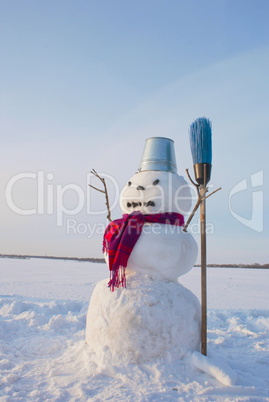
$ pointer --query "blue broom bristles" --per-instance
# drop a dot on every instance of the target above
(201, 140)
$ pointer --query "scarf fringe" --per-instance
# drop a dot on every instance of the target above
(118, 277)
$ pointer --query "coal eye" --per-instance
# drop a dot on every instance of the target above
(129, 183)
(155, 182)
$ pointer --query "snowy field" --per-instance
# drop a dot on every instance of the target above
(43, 355)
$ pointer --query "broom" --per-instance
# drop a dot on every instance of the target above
(201, 149)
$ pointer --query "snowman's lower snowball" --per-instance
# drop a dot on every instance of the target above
(149, 319)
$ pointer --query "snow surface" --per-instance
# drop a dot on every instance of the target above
(43, 355)
(215, 367)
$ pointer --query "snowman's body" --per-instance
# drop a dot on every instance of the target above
(164, 252)
(154, 316)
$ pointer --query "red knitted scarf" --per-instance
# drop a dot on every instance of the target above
(121, 236)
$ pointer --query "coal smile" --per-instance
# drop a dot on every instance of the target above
(139, 204)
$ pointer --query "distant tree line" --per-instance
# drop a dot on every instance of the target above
(102, 260)
(254, 265)
(97, 260)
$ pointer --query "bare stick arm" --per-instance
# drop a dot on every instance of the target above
(107, 201)
(192, 214)
(200, 199)
(213, 192)
(98, 189)
(102, 191)
(187, 171)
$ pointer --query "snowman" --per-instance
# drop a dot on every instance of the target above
(143, 313)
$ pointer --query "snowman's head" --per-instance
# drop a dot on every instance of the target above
(152, 192)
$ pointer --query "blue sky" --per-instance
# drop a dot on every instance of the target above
(84, 83)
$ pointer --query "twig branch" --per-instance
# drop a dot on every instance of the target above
(213, 192)
(98, 189)
(192, 214)
(102, 191)
(195, 184)
(200, 199)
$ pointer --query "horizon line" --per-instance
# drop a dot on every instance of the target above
(102, 260)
